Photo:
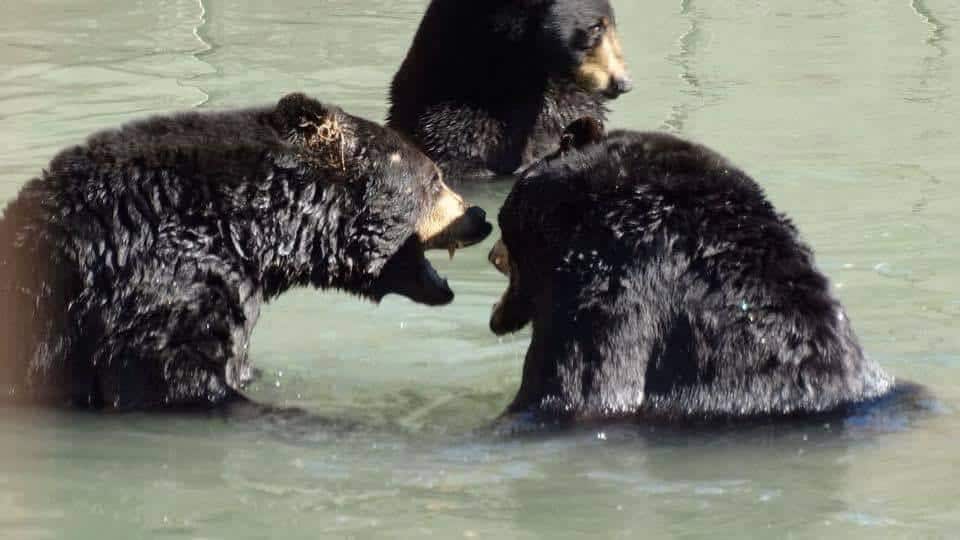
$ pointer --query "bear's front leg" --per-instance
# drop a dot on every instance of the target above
(170, 354)
(191, 374)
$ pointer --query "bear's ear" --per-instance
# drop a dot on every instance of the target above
(307, 120)
(315, 126)
(580, 133)
(294, 108)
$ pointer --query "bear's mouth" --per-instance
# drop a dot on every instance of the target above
(409, 273)
(500, 260)
(511, 312)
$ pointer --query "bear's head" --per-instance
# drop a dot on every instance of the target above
(567, 210)
(477, 48)
(378, 201)
(580, 42)
(582, 211)
(573, 40)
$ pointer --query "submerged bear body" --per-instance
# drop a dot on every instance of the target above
(661, 284)
(133, 270)
(488, 86)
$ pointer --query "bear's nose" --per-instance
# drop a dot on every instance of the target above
(476, 213)
(620, 85)
(476, 226)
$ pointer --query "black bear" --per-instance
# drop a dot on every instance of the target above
(489, 85)
(133, 269)
(662, 285)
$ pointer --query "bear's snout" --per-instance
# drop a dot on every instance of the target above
(475, 225)
(452, 225)
(469, 229)
(603, 69)
(618, 86)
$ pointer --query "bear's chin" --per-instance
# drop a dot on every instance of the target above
(409, 273)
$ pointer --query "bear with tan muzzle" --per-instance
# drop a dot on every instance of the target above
(488, 86)
(133, 269)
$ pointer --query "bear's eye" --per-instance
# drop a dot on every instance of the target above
(589, 38)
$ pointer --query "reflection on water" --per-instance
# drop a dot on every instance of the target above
(684, 59)
(844, 111)
(933, 64)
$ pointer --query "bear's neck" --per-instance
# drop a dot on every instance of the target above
(295, 237)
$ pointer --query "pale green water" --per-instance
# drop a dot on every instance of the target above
(844, 109)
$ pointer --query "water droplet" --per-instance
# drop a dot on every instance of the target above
(602, 436)
(744, 305)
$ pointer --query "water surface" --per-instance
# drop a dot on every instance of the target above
(845, 111)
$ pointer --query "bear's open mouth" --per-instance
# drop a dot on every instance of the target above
(511, 312)
(409, 273)
(504, 319)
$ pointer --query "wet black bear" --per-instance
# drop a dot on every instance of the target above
(488, 86)
(133, 269)
(662, 285)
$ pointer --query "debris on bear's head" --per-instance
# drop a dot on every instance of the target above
(321, 131)
(325, 134)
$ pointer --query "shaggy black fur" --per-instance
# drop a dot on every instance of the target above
(133, 270)
(662, 284)
(489, 85)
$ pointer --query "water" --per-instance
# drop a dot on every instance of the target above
(844, 110)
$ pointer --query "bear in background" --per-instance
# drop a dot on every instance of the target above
(133, 269)
(488, 86)
(662, 285)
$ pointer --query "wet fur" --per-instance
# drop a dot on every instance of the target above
(662, 285)
(488, 86)
(132, 271)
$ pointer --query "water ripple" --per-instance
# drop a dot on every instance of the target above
(932, 65)
(688, 43)
(207, 47)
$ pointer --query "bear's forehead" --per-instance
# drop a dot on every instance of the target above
(575, 11)
(381, 143)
